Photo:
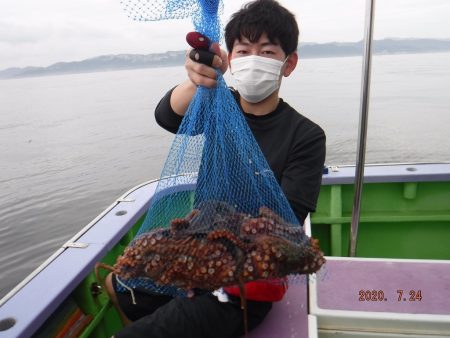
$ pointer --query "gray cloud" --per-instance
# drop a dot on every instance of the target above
(20, 33)
(42, 32)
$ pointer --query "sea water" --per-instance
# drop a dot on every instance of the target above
(71, 144)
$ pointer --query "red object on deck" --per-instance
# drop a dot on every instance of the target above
(262, 290)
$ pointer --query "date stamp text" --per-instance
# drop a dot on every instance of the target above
(381, 296)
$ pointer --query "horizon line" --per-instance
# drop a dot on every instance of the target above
(183, 50)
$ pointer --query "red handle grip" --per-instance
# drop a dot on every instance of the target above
(198, 41)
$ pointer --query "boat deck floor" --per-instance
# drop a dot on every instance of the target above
(366, 295)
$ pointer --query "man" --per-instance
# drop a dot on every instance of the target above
(262, 42)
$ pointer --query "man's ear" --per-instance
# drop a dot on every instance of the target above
(290, 64)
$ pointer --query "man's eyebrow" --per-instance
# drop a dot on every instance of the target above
(263, 44)
(268, 43)
(242, 43)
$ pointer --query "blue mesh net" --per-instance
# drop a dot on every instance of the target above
(204, 13)
(218, 200)
(214, 140)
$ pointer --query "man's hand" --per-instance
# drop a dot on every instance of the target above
(197, 68)
(199, 74)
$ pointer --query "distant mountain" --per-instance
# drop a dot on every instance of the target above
(100, 64)
(385, 46)
(176, 58)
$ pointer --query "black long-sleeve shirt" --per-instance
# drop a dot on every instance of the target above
(293, 145)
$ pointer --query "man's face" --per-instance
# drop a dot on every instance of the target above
(262, 47)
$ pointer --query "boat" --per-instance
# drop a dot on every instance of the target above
(403, 244)
(384, 228)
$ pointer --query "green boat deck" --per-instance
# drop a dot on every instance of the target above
(397, 220)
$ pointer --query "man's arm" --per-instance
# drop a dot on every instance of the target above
(172, 107)
(302, 177)
(165, 116)
(181, 97)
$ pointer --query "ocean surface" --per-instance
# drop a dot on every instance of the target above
(70, 145)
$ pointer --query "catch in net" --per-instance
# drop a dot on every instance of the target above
(218, 216)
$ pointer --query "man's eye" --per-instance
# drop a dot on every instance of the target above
(241, 51)
(267, 52)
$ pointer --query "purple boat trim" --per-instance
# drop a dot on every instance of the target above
(420, 172)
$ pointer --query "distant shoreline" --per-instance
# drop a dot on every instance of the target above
(176, 58)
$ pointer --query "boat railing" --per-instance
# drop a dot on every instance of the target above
(72, 242)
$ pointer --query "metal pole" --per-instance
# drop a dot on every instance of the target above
(363, 116)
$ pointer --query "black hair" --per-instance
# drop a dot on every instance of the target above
(263, 16)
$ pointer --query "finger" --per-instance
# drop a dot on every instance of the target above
(224, 58)
(205, 57)
(202, 56)
(199, 68)
(200, 74)
(215, 48)
(203, 81)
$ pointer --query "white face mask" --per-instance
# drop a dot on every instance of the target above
(256, 77)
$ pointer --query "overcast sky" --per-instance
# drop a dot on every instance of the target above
(42, 32)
